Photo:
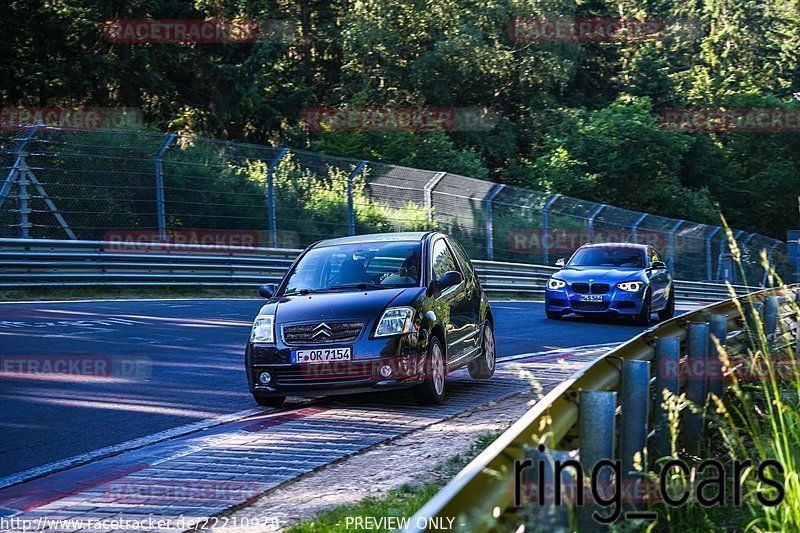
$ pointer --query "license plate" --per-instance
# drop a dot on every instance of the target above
(591, 298)
(322, 355)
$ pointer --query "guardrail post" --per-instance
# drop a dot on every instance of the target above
(597, 429)
(635, 395)
(634, 228)
(797, 325)
(273, 221)
(489, 221)
(718, 327)
(770, 319)
(590, 222)
(671, 245)
(23, 197)
(351, 213)
(160, 208)
(543, 513)
(428, 190)
(667, 371)
(709, 259)
(697, 362)
(9, 181)
(545, 237)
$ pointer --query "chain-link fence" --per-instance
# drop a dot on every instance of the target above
(147, 186)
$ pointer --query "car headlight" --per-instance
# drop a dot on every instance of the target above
(395, 320)
(554, 284)
(263, 329)
(631, 286)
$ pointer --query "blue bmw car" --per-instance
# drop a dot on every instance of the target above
(628, 280)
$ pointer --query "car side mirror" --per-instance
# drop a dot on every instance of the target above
(658, 265)
(268, 290)
(448, 279)
(561, 262)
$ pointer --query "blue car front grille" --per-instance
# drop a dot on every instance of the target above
(600, 288)
(580, 288)
(589, 306)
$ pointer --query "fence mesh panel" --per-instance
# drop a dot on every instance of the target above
(106, 185)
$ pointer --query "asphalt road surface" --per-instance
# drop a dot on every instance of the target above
(148, 366)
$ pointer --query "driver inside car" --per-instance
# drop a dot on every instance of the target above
(407, 274)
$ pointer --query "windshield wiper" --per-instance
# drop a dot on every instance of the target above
(304, 291)
(360, 286)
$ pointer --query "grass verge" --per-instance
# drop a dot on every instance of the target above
(402, 502)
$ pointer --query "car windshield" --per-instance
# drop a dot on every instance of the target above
(371, 265)
(608, 257)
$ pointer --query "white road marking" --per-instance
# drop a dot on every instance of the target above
(77, 460)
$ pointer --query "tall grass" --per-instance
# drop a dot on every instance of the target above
(757, 419)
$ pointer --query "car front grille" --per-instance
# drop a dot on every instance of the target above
(589, 306)
(323, 373)
(581, 288)
(322, 333)
(600, 288)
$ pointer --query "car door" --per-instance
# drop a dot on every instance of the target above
(473, 290)
(452, 304)
(658, 279)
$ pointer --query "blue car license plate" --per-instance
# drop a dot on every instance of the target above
(591, 298)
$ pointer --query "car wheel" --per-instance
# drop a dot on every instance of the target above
(269, 401)
(669, 310)
(553, 315)
(431, 391)
(483, 366)
(643, 318)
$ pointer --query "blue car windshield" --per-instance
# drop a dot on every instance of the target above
(608, 257)
(371, 265)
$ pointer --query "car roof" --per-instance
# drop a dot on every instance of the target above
(617, 245)
(376, 237)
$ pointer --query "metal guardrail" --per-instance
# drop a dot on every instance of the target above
(27, 263)
(481, 497)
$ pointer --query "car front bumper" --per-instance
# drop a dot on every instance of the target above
(614, 302)
(401, 354)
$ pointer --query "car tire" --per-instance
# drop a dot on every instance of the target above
(268, 401)
(431, 390)
(644, 316)
(669, 310)
(483, 367)
(553, 315)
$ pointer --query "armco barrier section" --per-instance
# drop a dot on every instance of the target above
(28, 263)
(481, 497)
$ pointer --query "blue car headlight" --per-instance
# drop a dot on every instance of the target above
(554, 284)
(631, 286)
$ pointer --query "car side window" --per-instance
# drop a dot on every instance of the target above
(463, 258)
(653, 256)
(441, 260)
